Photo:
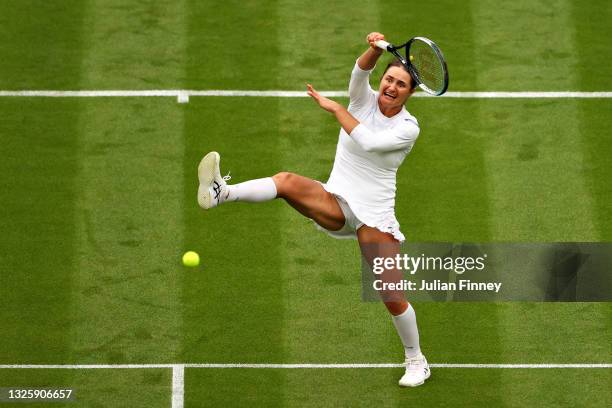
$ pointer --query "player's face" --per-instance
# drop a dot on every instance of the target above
(394, 88)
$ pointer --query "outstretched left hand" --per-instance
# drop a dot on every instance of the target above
(325, 103)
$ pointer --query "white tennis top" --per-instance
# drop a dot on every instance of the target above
(366, 162)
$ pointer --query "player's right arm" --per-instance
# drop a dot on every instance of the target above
(367, 60)
(360, 92)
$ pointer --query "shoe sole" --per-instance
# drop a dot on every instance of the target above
(206, 175)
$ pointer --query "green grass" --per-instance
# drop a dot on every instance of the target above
(128, 227)
(446, 388)
(98, 200)
(95, 388)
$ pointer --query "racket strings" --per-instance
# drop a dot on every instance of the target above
(428, 66)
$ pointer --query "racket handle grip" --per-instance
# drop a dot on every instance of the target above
(382, 44)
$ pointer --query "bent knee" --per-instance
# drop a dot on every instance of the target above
(396, 307)
(283, 182)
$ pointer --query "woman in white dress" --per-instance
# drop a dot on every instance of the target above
(358, 200)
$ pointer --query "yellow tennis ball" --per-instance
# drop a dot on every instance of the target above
(411, 57)
(191, 258)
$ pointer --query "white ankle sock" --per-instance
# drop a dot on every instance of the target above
(406, 326)
(253, 191)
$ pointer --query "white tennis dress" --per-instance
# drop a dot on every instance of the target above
(366, 163)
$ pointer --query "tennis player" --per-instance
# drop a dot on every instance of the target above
(358, 200)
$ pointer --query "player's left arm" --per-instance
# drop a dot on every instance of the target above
(346, 119)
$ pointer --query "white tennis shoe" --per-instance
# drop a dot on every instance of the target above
(213, 188)
(417, 371)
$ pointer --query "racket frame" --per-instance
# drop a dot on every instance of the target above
(393, 49)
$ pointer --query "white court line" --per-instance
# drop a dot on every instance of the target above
(178, 386)
(183, 95)
(87, 366)
(297, 366)
(394, 365)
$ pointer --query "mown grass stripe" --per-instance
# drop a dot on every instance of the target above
(37, 232)
(440, 190)
(321, 274)
(535, 170)
(233, 304)
(536, 137)
(38, 167)
(138, 44)
(591, 26)
(129, 218)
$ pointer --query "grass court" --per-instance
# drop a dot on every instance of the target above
(98, 200)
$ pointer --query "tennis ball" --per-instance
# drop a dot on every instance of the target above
(411, 57)
(191, 258)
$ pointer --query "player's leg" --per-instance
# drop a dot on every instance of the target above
(310, 199)
(305, 195)
(375, 243)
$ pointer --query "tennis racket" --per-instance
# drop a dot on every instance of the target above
(424, 61)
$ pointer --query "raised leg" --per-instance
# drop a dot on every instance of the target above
(310, 199)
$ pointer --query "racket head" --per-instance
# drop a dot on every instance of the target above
(426, 63)
(395, 51)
